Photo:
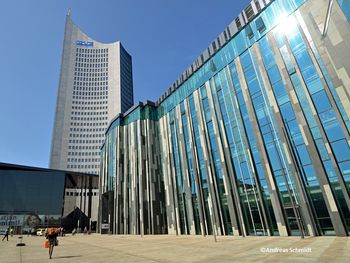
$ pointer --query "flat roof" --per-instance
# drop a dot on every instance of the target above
(10, 166)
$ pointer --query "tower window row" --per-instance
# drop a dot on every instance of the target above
(89, 108)
(80, 166)
(83, 160)
(92, 50)
(89, 102)
(83, 153)
(90, 98)
(88, 118)
(89, 112)
(86, 70)
(91, 74)
(90, 93)
(83, 147)
(91, 65)
(89, 124)
(86, 129)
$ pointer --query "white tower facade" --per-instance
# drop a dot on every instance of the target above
(95, 85)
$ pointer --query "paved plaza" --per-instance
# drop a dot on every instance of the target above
(111, 248)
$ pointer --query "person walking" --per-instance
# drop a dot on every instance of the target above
(52, 234)
(6, 234)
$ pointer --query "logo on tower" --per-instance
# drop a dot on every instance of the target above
(85, 43)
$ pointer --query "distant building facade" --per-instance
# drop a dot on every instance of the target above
(33, 197)
(253, 139)
(95, 84)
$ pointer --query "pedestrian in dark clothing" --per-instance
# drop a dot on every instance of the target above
(6, 235)
(52, 234)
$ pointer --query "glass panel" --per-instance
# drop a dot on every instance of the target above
(333, 130)
(341, 150)
(314, 85)
(304, 155)
(321, 101)
(260, 25)
(310, 175)
(345, 6)
(287, 111)
(345, 170)
(249, 31)
(27, 191)
(274, 74)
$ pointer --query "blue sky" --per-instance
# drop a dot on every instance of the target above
(163, 36)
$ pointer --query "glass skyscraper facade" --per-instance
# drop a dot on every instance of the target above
(253, 139)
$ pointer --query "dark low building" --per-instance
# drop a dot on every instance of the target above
(33, 197)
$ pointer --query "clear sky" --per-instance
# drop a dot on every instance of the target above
(164, 37)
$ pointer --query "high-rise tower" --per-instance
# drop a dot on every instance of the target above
(95, 85)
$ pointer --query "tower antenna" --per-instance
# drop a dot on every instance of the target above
(68, 13)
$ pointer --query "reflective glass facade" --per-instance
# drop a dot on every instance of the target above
(254, 142)
(33, 198)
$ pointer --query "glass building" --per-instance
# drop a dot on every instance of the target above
(33, 197)
(252, 139)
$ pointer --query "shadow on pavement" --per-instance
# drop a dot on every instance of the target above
(67, 256)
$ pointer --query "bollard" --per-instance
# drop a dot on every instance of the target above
(20, 244)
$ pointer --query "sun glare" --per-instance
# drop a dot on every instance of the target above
(286, 24)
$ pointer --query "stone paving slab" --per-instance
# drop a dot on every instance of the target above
(97, 248)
